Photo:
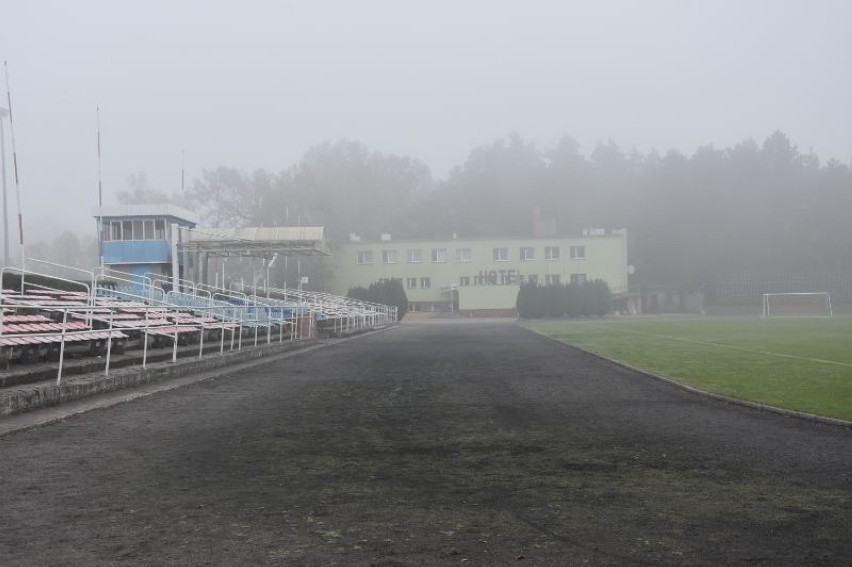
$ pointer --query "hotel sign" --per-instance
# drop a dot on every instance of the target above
(501, 277)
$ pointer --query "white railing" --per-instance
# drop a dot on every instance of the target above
(148, 328)
(195, 308)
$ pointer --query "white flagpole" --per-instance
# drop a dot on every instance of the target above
(100, 194)
(15, 168)
(3, 115)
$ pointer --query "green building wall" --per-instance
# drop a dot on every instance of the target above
(480, 281)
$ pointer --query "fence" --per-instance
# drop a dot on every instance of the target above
(748, 289)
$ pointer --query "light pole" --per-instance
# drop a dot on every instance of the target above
(4, 114)
(269, 267)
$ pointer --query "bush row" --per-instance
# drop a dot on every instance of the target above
(387, 292)
(590, 299)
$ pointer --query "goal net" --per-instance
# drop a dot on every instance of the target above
(804, 304)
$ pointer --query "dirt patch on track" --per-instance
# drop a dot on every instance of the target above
(428, 445)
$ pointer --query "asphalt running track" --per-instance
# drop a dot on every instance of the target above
(464, 444)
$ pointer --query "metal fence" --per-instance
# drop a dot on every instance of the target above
(748, 289)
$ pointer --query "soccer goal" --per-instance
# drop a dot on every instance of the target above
(804, 304)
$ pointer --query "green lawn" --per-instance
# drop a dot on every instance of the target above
(799, 364)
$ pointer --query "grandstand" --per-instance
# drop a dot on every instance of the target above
(149, 300)
(105, 312)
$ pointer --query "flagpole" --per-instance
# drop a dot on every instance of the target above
(15, 169)
(3, 115)
(100, 194)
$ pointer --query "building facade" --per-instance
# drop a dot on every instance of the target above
(481, 275)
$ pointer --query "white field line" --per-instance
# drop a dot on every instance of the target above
(743, 349)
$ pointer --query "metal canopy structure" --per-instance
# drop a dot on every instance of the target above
(257, 241)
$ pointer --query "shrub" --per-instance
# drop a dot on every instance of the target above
(590, 299)
(387, 292)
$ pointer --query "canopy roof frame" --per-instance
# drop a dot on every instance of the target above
(257, 241)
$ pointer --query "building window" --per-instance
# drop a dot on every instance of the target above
(439, 255)
(551, 279)
(578, 278)
(143, 229)
(500, 254)
(578, 252)
(527, 253)
(464, 255)
(464, 280)
(426, 282)
(388, 256)
(410, 283)
(551, 252)
(414, 256)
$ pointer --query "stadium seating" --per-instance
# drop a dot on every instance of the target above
(117, 311)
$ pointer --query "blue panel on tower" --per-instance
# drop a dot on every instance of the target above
(137, 251)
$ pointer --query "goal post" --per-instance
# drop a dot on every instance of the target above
(801, 304)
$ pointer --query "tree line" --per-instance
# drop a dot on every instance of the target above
(753, 207)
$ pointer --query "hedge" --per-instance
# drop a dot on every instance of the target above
(590, 299)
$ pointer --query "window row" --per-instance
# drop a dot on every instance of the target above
(528, 253)
(414, 256)
(549, 279)
(151, 229)
(425, 283)
(439, 255)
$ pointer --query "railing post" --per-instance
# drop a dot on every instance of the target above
(201, 339)
(222, 335)
(62, 345)
(268, 322)
(109, 341)
(174, 348)
(145, 340)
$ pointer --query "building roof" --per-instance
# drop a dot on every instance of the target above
(305, 240)
(156, 210)
(587, 234)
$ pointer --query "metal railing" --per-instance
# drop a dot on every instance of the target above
(194, 310)
(150, 328)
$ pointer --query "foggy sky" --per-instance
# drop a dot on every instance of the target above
(255, 84)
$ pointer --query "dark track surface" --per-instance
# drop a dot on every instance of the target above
(460, 444)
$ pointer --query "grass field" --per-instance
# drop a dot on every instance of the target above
(799, 364)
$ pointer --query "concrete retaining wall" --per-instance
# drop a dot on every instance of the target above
(47, 394)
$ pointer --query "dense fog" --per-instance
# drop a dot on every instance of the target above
(716, 133)
(758, 207)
